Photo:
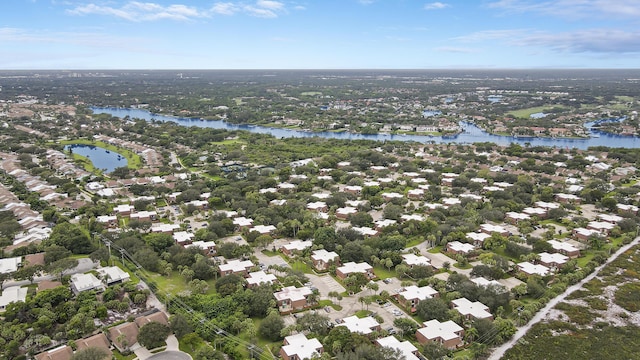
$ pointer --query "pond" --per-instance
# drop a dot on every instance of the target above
(101, 158)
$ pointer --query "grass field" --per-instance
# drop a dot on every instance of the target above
(526, 113)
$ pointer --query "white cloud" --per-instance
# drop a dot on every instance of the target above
(436, 6)
(451, 49)
(147, 11)
(137, 11)
(224, 8)
(572, 8)
(587, 41)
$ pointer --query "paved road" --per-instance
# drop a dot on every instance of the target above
(84, 265)
(499, 352)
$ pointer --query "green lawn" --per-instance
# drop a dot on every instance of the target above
(526, 113)
(415, 242)
(383, 273)
(435, 249)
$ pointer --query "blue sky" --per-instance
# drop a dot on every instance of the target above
(319, 34)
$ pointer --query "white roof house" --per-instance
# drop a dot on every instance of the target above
(420, 293)
(292, 293)
(434, 329)
(535, 211)
(416, 260)
(531, 269)
(547, 205)
(602, 226)
(264, 229)
(324, 256)
(625, 207)
(260, 277)
(459, 247)
(563, 246)
(405, 348)
(299, 347)
(481, 281)
(366, 231)
(10, 265)
(364, 326)
(85, 282)
(352, 268)
(182, 237)
(407, 217)
(610, 218)
(317, 206)
(476, 310)
(235, 266)
(346, 211)
(296, 245)
(164, 228)
(242, 221)
(555, 259)
(477, 237)
(210, 246)
(113, 274)
(125, 208)
(12, 294)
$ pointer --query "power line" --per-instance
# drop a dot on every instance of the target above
(199, 318)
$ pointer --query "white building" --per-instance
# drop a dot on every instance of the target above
(363, 326)
(407, 349)
(85, 282)
(468, 309)
(12, 294)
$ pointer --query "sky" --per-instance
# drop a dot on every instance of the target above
(319, 34)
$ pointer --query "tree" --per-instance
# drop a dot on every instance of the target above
(159, 242)
(228, 284)
(91, 353)
(271, 327)
(434, 308)
(206, 352)
(153, 335)
(435, 350)
(406, 325)
(314, 323)
(261, 301)
(71, 237)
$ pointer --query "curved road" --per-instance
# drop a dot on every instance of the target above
(499, 351)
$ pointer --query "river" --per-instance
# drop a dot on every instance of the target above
(470, 134)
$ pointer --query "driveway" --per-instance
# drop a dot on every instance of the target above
(438, 259)
(325, 284)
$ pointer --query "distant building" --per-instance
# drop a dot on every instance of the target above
(448, 333)
(291, 299)
(298, 347)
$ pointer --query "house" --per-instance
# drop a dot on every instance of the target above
(447, 333)
(9, 265)
(624, 208)
(528, 268)
(96, 341)
(391, 196)
(235, 267)
(124, 335)
(123, 210)
(491, 229)
(85, 282)
(298, 347)
(565, 248)
(480, 281)
(415, 194)
(469, 310)
(405, 348)
(296, 246)
(264, 229)
(158, 316)
(456, 247)
(164, 228)
(63, 352)
(383, 223)
(554, 260)
(208, 247)
(291, 298)
(351, 268)
(415, 260)
(109, 221)
(535, 211)
(584, 234)
(113, 275)
(364, 326)
(353, 189)
(183, 237)
(322, 259)
(477, 238)
(568, 198)
(515, 218)
(610, 218)
(410, 296)
(12, 294)
(343, 213)
(320, 206)
(603, 227)
(366, 231)
(144, 216)
(243, 222)
(260, 277)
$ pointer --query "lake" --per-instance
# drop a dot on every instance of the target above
(470, 134)
(100, 157)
